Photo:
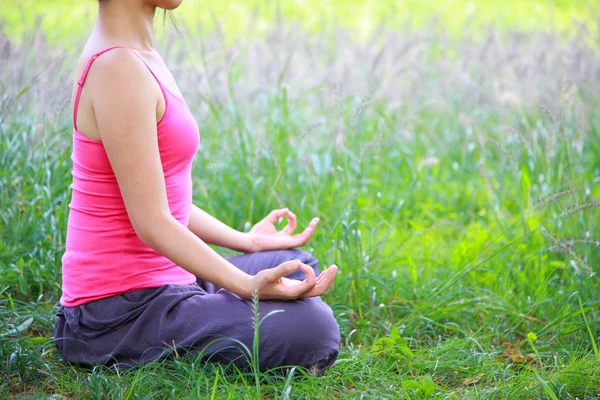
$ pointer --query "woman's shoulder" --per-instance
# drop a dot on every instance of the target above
(117, 63)
(118, 88)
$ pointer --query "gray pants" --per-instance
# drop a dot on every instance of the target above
(141, 326)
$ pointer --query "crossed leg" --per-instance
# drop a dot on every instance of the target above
(144, 325)
(304, 333)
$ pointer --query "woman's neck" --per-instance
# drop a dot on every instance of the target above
(126, 23)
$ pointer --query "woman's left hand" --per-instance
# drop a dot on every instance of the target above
(264, 235)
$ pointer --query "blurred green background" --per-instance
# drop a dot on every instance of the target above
(65, 19)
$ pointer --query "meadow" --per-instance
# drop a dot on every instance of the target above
(456, 173)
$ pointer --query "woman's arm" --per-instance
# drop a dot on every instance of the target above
(262, 236)
(213, 231)
(125, 98)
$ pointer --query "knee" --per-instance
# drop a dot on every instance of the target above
(327, 326)
(314, 335)
(323, 345)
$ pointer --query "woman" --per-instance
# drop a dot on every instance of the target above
(139, 280)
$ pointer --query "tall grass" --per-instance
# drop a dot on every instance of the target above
(456, 181)
(64, 19)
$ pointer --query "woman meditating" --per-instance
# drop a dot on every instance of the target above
(139, 279)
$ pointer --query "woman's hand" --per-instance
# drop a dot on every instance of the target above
(271, 284)
(264, 236)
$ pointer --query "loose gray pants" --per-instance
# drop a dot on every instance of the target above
(141, 326)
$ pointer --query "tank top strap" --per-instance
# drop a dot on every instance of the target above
(86, 70)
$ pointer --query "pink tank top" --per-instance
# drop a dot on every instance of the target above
(104, 256)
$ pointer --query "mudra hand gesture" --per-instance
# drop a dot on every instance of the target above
(264, 234)
(271, 284)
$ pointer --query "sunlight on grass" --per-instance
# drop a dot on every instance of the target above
(65, 19)
(456, 178)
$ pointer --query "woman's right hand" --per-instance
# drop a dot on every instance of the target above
(270, 284)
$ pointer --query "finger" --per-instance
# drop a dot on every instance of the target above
(327, 281)
(283, 269)
(291, 225)
(309, 272)
(276, 214)
(321, 277)
(328, 277)
(294, 289)
(307, 284)
(304, 237)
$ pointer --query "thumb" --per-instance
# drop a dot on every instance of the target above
(283, 269)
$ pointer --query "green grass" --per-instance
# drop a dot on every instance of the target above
(457, 182)
(65, 19)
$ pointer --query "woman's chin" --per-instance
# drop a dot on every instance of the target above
(168, 4)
